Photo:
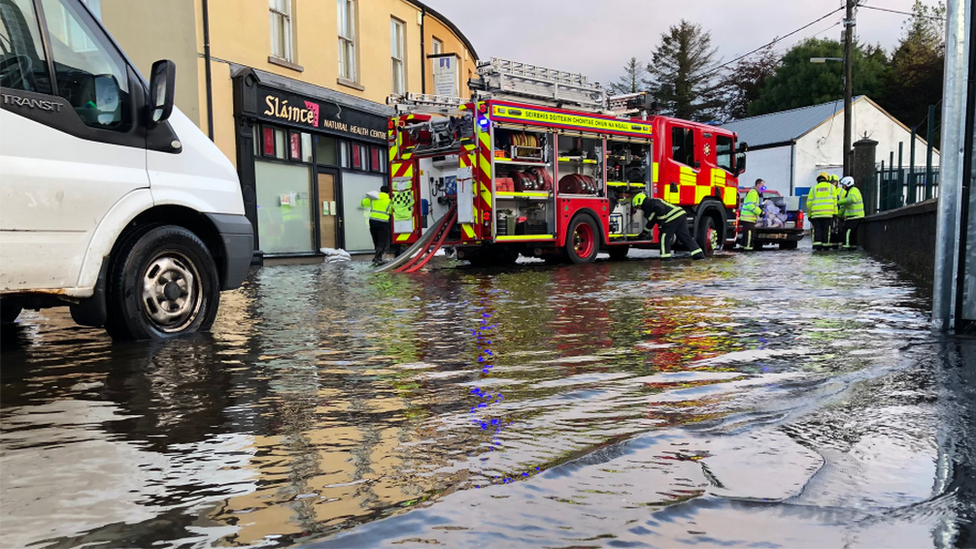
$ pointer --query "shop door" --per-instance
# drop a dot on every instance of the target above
(328, 216)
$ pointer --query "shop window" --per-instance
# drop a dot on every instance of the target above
(360, 159)
(347, 39)
(724, 153)
(269, 141)
(280, 150)
(295, 146)
(90, 73)
(256, 137)
(683, 145)
(306, 147)
(281, 46)
(285, 222)
(378, 159)
(23, 59)
(325, 151)
(344, 154)
(396, 56)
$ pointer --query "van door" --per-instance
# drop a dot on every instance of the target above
(71, 145)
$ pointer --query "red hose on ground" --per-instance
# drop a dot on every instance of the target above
(420, 253)
(437, 246)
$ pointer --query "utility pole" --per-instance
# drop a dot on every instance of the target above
(848, 83)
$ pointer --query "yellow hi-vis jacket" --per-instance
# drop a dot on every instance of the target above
(750, 211)
(822, 202)
(379, 208)
(851, 204)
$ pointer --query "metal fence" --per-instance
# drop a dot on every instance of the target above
(897, 187)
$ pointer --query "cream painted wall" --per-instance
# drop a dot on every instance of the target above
(240, 33)
(150, 31)
(434, 28)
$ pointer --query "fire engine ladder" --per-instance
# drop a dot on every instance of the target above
(502, 77)
(418, 255)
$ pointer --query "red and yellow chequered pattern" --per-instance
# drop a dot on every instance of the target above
(404, 201)
(692, 189)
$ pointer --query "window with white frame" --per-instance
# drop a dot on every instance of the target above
(438, 47)
(280, 11)
(396, 54)
(347, 39)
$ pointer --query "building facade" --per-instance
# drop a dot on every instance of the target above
(788, 149)
(294, 93)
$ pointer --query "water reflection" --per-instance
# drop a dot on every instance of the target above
(537, 406)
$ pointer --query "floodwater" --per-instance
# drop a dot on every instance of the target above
(780, 399)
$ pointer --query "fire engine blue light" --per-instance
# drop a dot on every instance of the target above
(483, 122)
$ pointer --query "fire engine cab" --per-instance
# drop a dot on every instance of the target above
(535, 164)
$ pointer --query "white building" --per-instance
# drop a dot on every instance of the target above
(788, 149)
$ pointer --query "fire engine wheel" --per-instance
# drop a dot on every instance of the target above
(788, 245)
(581, 243)
(708, 238)
(618, 253)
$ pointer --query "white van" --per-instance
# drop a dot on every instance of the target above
(112, 201)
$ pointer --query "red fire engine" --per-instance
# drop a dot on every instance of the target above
(533, 165)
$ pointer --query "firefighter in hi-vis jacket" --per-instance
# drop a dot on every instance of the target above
(671, 221)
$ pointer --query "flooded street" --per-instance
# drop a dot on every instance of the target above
(781, 399)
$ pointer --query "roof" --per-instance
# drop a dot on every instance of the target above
(457, 32)
(781, 128)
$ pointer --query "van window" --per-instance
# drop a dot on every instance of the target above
(724, 152)
(23, 65)
(91, 75)
(683, 145)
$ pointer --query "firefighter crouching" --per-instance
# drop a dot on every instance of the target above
(671, 221)
(380, 207)
(749, 214)
(822, 208)
(851, 210)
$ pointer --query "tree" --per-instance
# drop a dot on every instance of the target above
(633, 80)
(742, 83)
(917, 65)
(799, 83)
(683, 73)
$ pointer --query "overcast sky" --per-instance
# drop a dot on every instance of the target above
(597, 37)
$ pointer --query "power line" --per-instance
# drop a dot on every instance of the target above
(778, 39)
(902, 13)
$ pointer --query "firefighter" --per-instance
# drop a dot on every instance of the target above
(821, 208)
(851, 205)
(837, 223)
(749, 214)
(380, 207)
(671, 221)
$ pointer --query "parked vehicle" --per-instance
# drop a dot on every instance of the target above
(113, 202)
(787, 230)
(532, 166)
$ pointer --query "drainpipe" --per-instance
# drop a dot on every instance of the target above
(793, 167)
(423, 52)
(206, 65)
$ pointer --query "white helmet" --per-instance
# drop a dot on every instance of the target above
(847, 181)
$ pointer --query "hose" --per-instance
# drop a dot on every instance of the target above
(437, 246)
(419, 244)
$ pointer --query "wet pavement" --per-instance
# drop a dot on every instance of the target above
(781, 399)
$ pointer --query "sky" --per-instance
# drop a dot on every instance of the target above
(597, 37)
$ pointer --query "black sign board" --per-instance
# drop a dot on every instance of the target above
(288, 108)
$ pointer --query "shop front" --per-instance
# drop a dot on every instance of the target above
(306, 157)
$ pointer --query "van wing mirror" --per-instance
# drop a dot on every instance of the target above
(162, 91)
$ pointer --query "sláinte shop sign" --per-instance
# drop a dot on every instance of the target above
(285, 107)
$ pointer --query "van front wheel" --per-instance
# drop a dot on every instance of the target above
(162, 283)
